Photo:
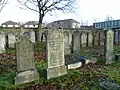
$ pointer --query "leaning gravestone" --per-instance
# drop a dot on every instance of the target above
(109, 46)
(26, 71)
(55, 54)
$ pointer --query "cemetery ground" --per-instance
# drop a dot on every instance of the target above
(83, 78)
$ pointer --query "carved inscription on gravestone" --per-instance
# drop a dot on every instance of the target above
(55, 49)
(25, 54)
(55, 54)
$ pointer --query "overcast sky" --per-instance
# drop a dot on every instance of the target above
(89, 11)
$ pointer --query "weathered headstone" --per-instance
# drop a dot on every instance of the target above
(89, 39)
(66, 44)
(2, 43)
(55, 54)
(76, 42)
(83, 39)
(30, 35)
(26, 71)
(32, 38)
(11, 40)
(27, 34)
(108, 46)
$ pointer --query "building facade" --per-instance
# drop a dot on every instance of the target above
(107, 24)
(67, 23)
(10, 24)
(31, 24)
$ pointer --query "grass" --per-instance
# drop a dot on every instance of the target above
(116, 49)
(7, 80)
(10, 50)
(84, 78)
(113, 71)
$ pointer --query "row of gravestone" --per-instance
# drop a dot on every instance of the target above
(8, 40)
(26, 71)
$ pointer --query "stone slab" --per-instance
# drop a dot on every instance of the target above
(56, 71)
(90, 61)
(75, 65)
(26, 76)
(108, 84)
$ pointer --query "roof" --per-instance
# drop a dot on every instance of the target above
(10, 23)
(66, 20)
(31, 23)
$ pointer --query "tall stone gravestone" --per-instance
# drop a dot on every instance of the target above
(55, 54)
(109, 46)
(32, 38)
(26, 71)
(2, 43)
(66, 44)
(76, 42)
(11, 40)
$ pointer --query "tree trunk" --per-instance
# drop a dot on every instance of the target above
(39, 30)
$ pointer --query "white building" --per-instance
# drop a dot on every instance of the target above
(67, 23)
(10, 24)
(32, 24)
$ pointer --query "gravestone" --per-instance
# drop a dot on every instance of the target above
(11, 40)
(66, 44)
(2, 43)
(76, 42)
(55, 54)
(27, 34)
(32, 38)
(90, 39)
(108, 46)
(108, 84)
(83, 39)
(26, 71)
(30, 35)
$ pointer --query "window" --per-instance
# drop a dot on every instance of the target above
(117, 23)
(114, 23)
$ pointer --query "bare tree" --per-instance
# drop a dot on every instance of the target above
(2, 4)
(48, 6)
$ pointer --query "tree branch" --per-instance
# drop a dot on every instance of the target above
(2, 4)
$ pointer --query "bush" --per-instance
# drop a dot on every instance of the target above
(7, 80)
